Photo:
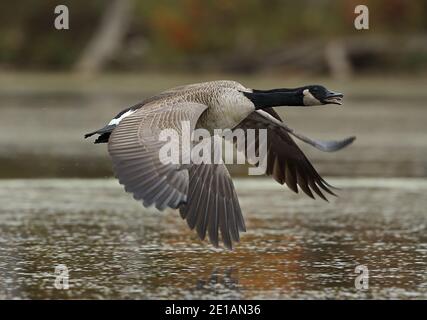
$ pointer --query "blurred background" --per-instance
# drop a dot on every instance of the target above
(56, 85)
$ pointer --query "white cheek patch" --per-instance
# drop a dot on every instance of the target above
(116, 121)
(309, 99)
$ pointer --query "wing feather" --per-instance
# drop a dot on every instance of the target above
(286, 163)
(134, 148)
(214, 206)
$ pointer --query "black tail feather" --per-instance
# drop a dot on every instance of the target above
(103, 138)
(87, 135)
(104, 134)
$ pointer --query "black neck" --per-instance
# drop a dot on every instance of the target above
(275, 98)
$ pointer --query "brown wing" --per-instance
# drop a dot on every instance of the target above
(212, 204)
(134, 148)
(204, 193)
(285, 160)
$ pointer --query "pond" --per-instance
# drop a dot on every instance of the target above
(295, 247)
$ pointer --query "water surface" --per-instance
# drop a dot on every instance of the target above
(294, 248)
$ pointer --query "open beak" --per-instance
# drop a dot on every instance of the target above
(333, 97)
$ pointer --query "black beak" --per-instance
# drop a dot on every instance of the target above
(333, 97)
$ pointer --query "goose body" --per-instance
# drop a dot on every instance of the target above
(204, 193)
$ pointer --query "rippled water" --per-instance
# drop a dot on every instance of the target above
(294, 248)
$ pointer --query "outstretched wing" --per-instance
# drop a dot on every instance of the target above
(285, 160)
(134, 147)
(212, 204)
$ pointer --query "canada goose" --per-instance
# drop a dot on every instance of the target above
(204, 193)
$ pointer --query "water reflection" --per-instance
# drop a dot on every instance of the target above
(220, 283)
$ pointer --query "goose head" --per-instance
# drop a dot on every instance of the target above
(315, 95)
(310, 95)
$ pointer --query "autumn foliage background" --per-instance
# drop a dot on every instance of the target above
(221, 36)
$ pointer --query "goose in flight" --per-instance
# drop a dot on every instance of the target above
(204, 193)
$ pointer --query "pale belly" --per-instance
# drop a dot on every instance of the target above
(221, 118)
